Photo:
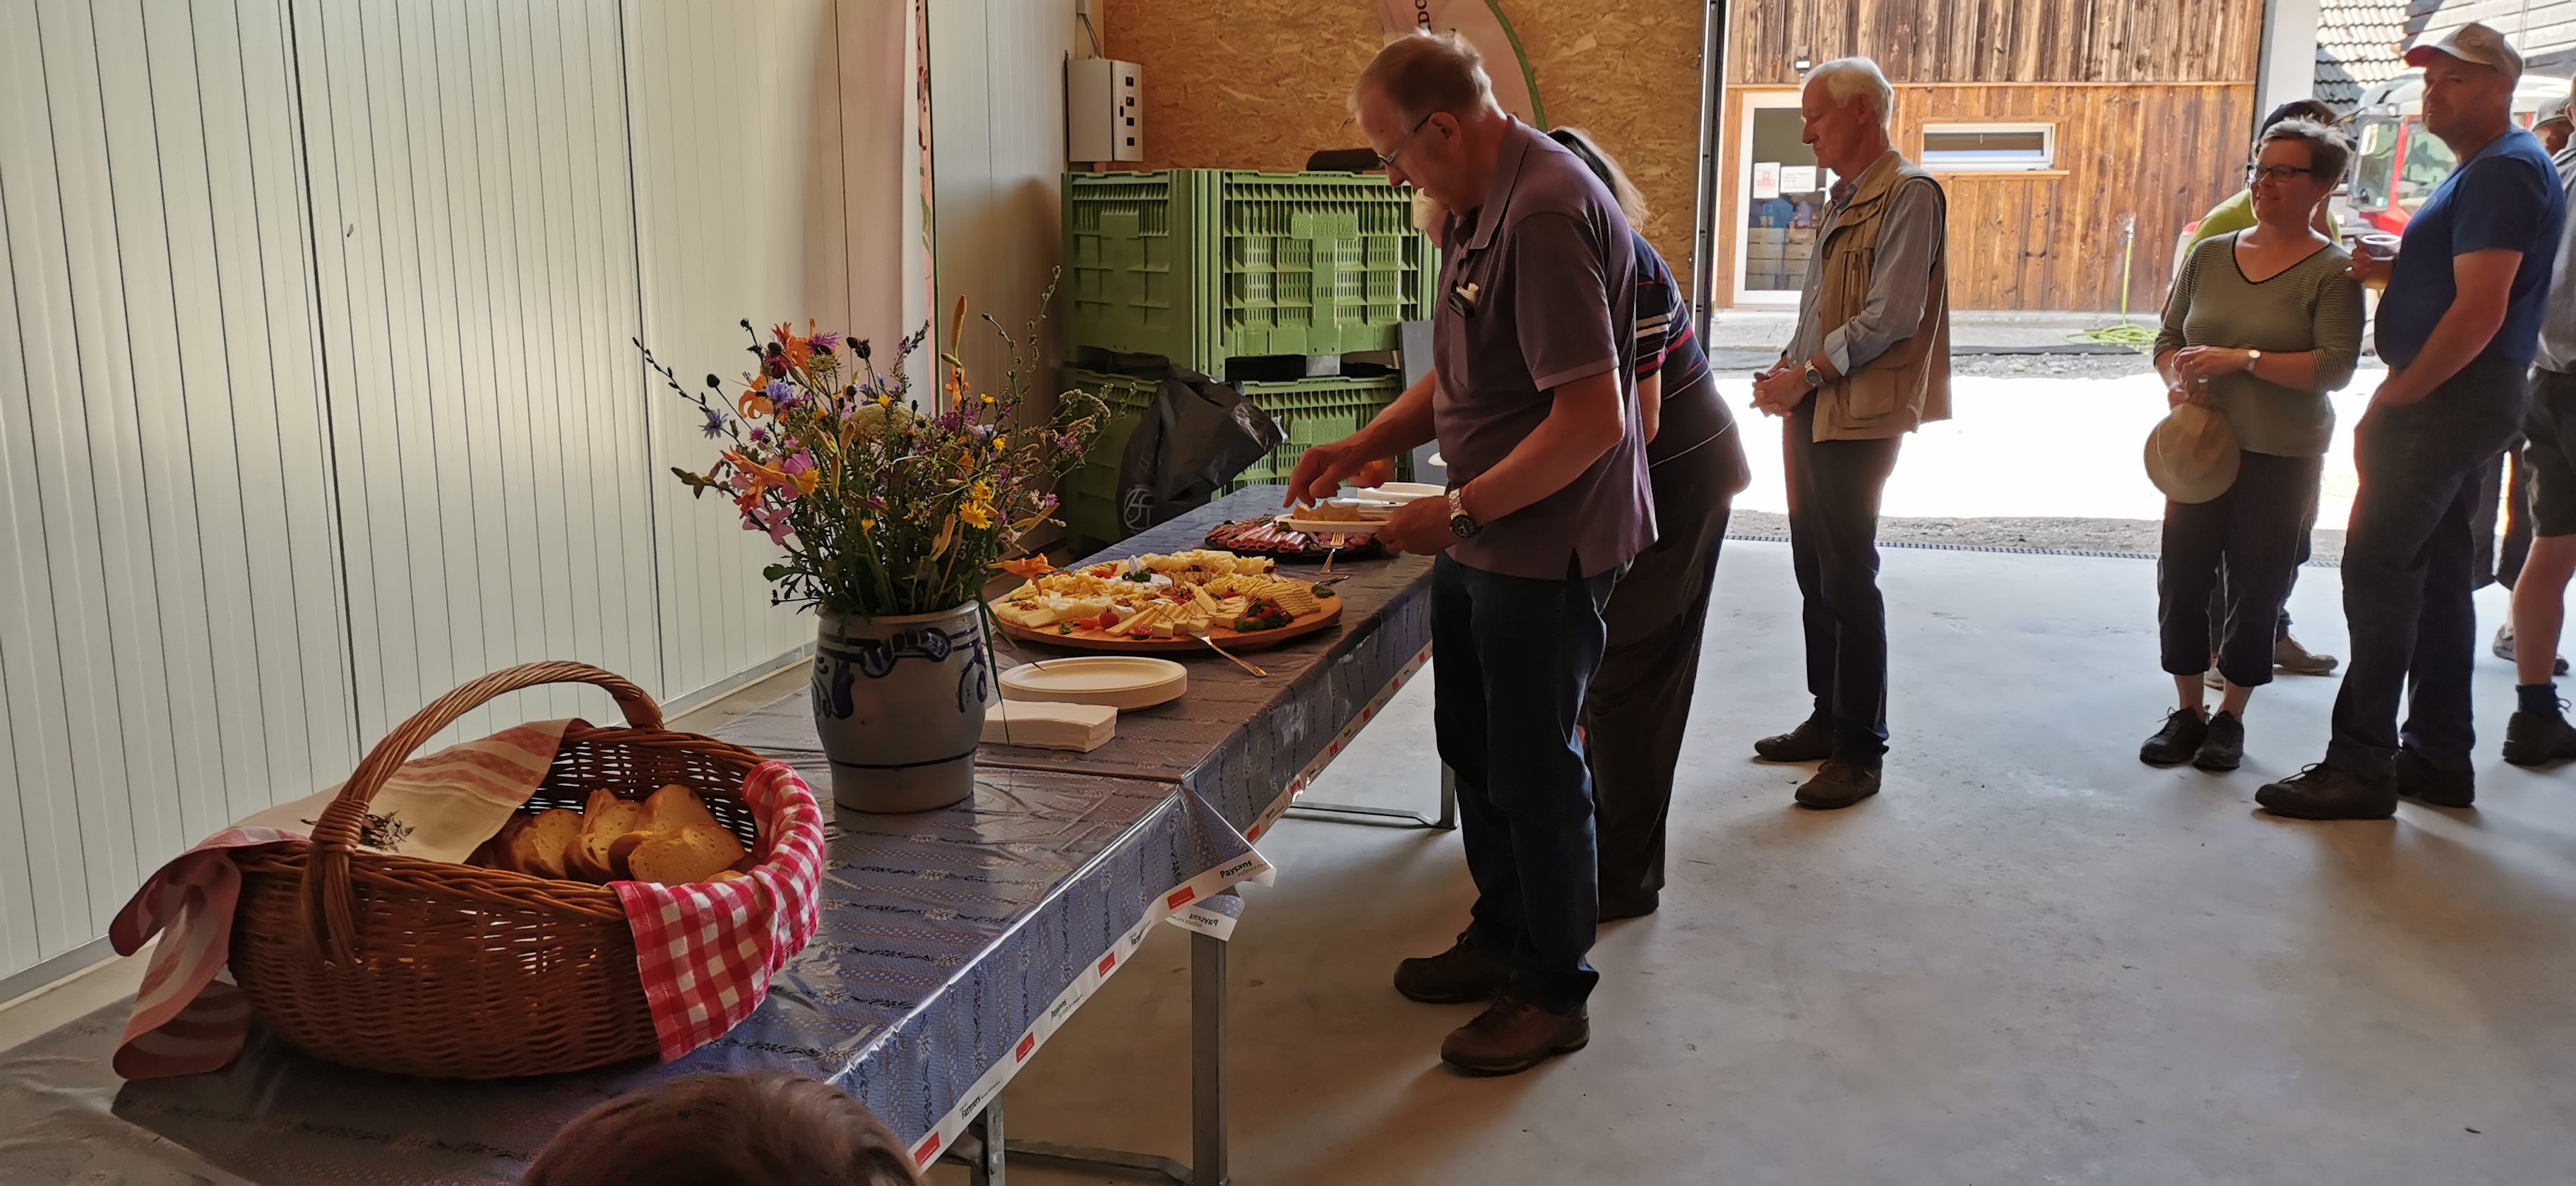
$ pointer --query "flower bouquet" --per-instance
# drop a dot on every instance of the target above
(891, 519)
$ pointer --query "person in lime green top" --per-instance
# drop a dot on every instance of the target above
(2236, 214)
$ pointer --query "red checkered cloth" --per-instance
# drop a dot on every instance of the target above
(706, 952)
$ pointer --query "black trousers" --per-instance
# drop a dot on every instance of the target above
(1515, 656)
(2407, 570)
(2501, 563)
(1833, 545)
(2251, 534)
(1640, 700)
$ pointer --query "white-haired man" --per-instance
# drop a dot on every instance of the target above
(1532, 344)
(1870, 363)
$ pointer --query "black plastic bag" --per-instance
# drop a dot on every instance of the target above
(1195, 437)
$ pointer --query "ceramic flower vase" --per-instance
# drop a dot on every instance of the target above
(899, 703)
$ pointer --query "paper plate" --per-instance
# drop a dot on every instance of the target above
(1403, 491)
(1119, 681)
(1331, 527)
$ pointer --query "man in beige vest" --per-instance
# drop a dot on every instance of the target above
(1870, 363)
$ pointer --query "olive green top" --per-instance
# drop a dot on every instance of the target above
(2312, 306)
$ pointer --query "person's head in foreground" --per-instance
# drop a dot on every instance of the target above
(2297, 165)
(2468, 85)
(761, 1129)
(2554, 125)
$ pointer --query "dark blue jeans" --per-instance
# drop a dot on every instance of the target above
(1833, 546)
(2407, 570)
(1513, 659)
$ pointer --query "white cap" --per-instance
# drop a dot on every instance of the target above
(2472, 42)
(2553, 111)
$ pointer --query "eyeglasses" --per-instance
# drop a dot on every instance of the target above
(2254, 173)
(1387, 161)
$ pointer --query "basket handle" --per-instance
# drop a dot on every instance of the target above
(329, 902)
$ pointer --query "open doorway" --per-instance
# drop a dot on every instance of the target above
(1780, 190)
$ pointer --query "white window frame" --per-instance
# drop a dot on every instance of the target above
(2015, 164)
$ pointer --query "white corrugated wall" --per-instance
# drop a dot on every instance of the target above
(316, 390)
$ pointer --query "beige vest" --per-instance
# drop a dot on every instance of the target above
(1908, 385)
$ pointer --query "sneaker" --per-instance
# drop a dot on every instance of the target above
(1511, 1036)
(2289, 656)
(1456, 976)
(1838, 784)
(2223, 746)
(1811, 741)
(2538, 738)
(2329, 792)
(2175, 744)
(2433, 786)
(2503, 648)
(2213, 681)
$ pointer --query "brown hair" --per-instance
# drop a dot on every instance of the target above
(2328, 152)
(760, 1129)
(1606, 167)
(1422, 72)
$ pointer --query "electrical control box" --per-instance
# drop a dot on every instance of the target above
(1104, 111)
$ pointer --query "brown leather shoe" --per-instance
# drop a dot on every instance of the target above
(1512, 1036)
(1453, 977)
(1838, 784)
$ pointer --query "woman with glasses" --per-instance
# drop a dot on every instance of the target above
(2260, 325)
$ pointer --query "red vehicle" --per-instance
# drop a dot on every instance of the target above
(2396, 163)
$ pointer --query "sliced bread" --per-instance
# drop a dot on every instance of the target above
(675, 807)
(693, 853)
(541, 846)
(607, 818)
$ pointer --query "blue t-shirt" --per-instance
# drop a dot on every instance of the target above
(2505, 196)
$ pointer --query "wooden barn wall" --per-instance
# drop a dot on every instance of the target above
(2001, 41)
(2053, 240)
(1259, 84)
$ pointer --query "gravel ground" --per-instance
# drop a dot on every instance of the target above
(2126, 537)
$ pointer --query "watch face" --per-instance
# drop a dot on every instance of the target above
(1462, 526)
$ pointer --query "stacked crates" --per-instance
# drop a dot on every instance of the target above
(1205, 266)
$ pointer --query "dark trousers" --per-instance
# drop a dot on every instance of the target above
(2501, 563)
(1640, 700)
(1514, 657)
(2307, 544)
(1833, 545)
(2407, 570)
(2250, 534)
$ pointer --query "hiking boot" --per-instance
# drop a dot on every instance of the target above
(2289, 656)
(2503, 648)
(2538, 738)
(1838, 784)
(1511, 1036)
(2223, 745)
(2431, 785)
(1811, 741)
(2175, 744)
(2323, 792)
(1455, 976)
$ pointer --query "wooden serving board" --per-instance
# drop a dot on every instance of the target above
(1102, 640)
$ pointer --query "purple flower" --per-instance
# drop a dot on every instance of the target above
(760, 436)
(715, 425)
(826, 340)
(780, 392)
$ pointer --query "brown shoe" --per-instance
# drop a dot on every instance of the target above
(1512, 1036)
(1456, 976)
(1838, 784)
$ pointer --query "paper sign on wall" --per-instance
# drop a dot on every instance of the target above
(1766, 180)
(1482, 23)
(1797, 179)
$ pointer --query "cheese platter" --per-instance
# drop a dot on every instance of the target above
(1184, 601)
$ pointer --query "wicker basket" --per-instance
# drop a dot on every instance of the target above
(425, 968)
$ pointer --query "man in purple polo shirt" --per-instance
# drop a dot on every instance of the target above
(1548, 502)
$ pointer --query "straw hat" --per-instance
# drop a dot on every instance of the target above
(2191, 455)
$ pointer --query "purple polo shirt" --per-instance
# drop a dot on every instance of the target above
(1554, 278)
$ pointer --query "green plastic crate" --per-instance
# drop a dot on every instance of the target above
(1203, 265)
(1308, 412)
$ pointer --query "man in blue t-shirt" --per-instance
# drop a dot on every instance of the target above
(2458, 327)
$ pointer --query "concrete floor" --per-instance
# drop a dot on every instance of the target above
(2030, 960)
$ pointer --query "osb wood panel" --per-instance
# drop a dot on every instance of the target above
(2053, 241)
(1260, 84)
(2001, 40)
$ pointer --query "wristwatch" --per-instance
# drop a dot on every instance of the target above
(1815, 378)
(2253, 358)
(1461, 524)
